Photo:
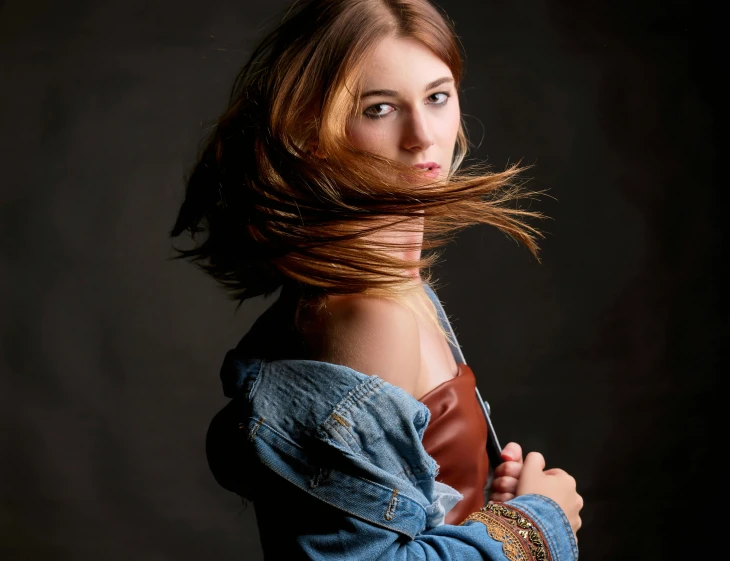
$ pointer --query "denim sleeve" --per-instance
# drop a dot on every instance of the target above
(528, 528)
(491, 536)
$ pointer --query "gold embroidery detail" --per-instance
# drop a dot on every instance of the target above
(501, 522)
(501, 531)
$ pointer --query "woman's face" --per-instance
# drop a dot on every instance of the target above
(410, 107)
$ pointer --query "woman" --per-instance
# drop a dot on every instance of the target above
(353, 424)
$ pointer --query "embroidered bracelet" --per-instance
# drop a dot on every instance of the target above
(520, 538)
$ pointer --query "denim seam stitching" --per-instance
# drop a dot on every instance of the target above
(254, 429)
(358, 394)
(255, 381)
(390, 511)
(342, 409)
(344, 432)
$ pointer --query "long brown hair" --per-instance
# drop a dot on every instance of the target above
(283, 197)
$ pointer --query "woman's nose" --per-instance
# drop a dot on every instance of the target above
(417, 134)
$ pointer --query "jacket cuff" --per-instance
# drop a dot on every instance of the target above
(551, 521)
(529, 527)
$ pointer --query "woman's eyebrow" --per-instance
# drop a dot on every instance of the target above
(393, 93)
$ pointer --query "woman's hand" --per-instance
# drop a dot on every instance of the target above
(506, 474)
(556, 484)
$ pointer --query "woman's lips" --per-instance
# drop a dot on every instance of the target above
(431, 169)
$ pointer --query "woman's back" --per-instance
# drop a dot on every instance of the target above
(375, 336)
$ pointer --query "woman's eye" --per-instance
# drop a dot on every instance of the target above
(376, 111)
(382, 109)
(443, 99)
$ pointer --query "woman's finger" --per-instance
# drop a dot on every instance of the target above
(501, 497)
(504, 485)
(512, 452)
(508, 469)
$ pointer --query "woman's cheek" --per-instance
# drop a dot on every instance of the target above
(451, 118)
(358, 134)
(376, 136)
(363, 139)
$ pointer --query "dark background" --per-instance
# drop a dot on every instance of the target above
(604, 357)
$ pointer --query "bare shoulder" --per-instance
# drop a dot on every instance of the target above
(375, 336)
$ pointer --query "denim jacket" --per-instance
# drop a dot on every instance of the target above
(333, 462)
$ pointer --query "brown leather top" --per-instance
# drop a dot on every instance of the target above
(456, 437)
